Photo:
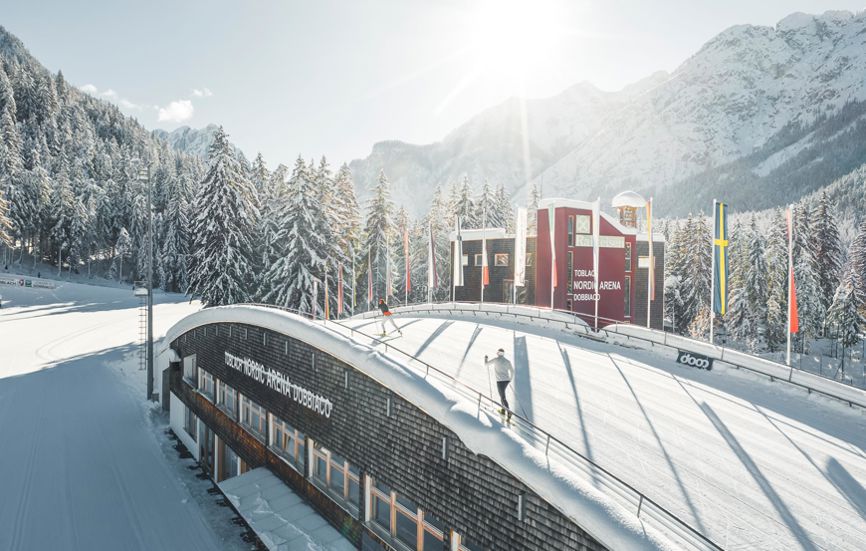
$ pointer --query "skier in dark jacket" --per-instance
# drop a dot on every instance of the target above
(504, 372)
(388, 316)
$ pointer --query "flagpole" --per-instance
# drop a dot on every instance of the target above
(551, 221)
(483, 250)
(790, 286)
(713, 273)
(596, 237)
(353, 283)
(649, 273)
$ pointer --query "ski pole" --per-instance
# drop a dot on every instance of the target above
(489, 384)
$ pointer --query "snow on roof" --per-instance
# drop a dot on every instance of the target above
(558, 202)
(479, 234)
(597, 514)
(279, 516)
(628, 199)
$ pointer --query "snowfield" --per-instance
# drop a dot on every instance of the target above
(751, 464)
(81, 465)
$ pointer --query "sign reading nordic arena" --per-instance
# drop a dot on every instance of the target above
(279, 382)
(694, 360)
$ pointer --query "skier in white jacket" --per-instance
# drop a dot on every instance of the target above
(504, 372)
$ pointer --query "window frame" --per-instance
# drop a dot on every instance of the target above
(416, 516)
(571, 226)
(207, 384)
(295, 457)
(497, 257)
(477, 259)
(250, 406)
(192, 377)
(349, 473)
(626, 299)
(230, 409)
(628, 257)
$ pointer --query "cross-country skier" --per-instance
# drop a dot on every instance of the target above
(504, 372)
(388, 316)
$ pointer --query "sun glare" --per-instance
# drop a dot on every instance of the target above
(509, 37)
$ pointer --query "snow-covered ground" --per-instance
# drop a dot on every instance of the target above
(84, 461)
(753, 464)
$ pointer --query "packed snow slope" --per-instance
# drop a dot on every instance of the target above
(80, 466)
(751, 464)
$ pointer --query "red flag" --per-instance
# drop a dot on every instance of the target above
(794, 321)
(406, 256)
(340, 291)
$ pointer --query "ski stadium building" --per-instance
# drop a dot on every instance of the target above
(323, 436)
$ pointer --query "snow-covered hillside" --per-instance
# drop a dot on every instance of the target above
(754, 94)
(192, 141)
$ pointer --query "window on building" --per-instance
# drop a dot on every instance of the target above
(627, 256)
(463, 544)
(189, 369)
(288, 442)
(190, 424)
(571, 231)
(403, 521)
(500, 259)
(206, 384)
(582, 224)
(253, 416)
(337, 476)
(466, 260)
(477, 260)
(227, 399)
(627, 296)
(529, 259)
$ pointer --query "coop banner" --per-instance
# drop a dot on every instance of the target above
(694, 360)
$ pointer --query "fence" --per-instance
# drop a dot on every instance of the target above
(555, 450)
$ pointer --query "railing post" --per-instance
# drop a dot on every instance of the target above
(547, 446)
(639, 505)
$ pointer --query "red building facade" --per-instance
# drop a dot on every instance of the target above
(618, 262)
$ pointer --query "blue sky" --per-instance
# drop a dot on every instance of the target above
(332, 78)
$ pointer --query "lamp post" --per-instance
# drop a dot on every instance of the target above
(144, 176)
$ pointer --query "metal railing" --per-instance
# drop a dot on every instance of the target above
(645, 508)
(736, 358)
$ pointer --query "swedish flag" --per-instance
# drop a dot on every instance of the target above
(720, 258)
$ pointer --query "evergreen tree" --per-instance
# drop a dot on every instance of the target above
(122, 248)
(810, 309)
(828, 248)
(463, 206)
(300, 265)
(5, 223)
(756, 289)
(777, 282)
(378, 238)
(504, 215)
(225, 218)
(737, 317)
(173, 274)
(272, 198)
(857, 264)
(437, 218)
(845, 315)
(485, 213)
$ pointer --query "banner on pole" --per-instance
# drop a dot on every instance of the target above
(408, 288)
(649, 231)
(793, 314)
(551, 224)
(432, 278)
(520, 249)
(327, 308)
(369, 280)
(720, 252)
(340, 291)
(458, 258)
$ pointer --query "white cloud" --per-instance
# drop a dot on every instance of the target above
(126, 104)
(89, 89)
(110, 94)
(202, 92)
(176, 111)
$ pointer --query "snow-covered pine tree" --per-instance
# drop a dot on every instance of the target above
(348, 228)
(844, 314)
(323, 182)
(776, 256)
(272, 198)
(462, 204)
(438, 217)
(300, 239)
(737, 317)
(402, 224)
(532, 201)
(857, 264)
(175, 246)
(259, 175)
(122, 248)
(698, 274)
(379, 238)
(503, 210)
(828, 248)
(484, 207)
(223, 226)
(677, 288)
(5, 223)
(756, 289)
